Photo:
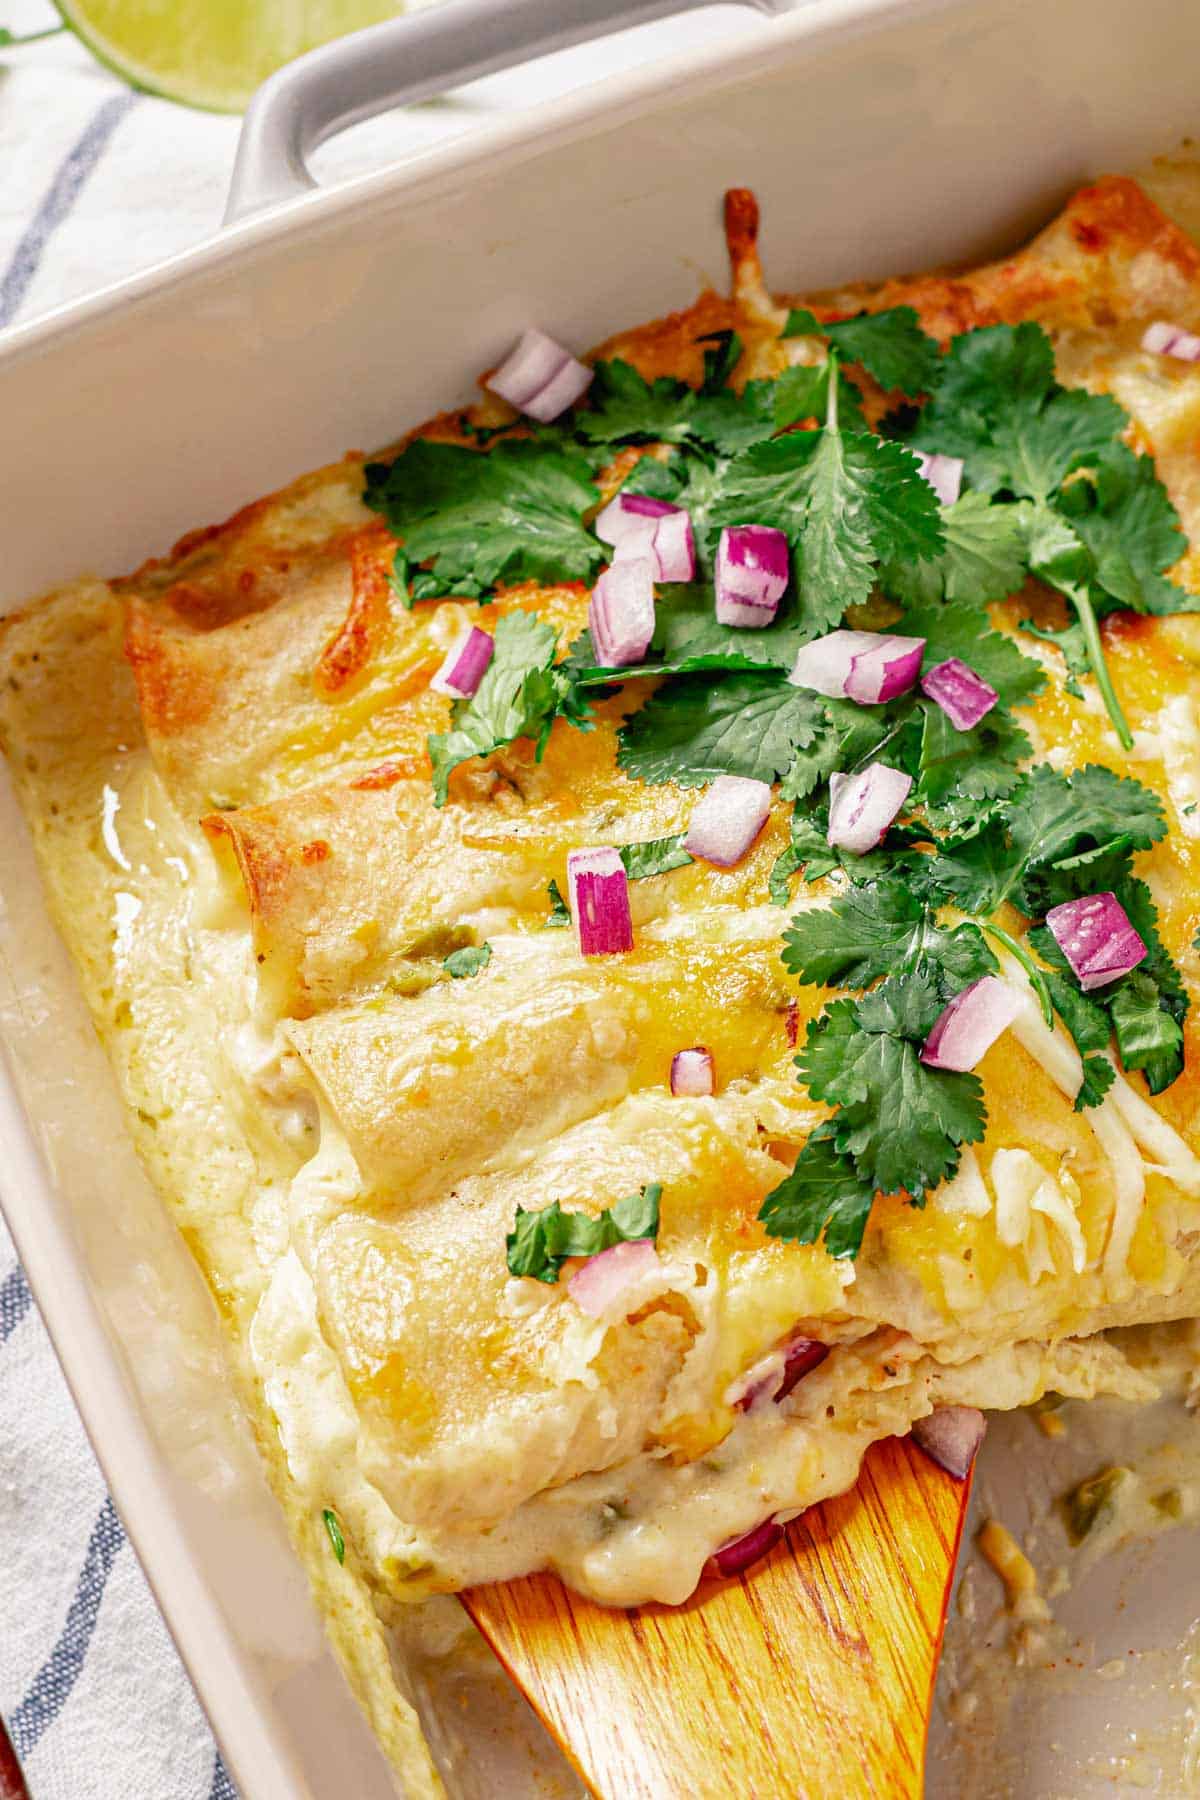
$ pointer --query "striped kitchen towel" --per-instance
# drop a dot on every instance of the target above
(97, 182)
(95, 1700)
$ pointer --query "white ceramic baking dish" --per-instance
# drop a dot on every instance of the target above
(879, 136)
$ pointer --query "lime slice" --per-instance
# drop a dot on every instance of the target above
(212, 55)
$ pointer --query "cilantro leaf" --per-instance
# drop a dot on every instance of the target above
(850, 737)
(899, 1121)
(1144, 1009)
(964, 774)
(1098, 1077)
(983, 558)
(468, 961)
(1058, 821)
(721, 357)
(845, 502)
(979, 872)
(998, 406)
(657, 856)
(512, 513)
(1149, 1036)
(1123, 513)
(1055, 550)
(541, 1241)
(802, 392)
(688, 635)
(872, 930)
(1144, 1043)
(958, 629)
(692, 730)
(890, 345)
(1055, 836)
(1089, 1026)
(823, 1194)
(625, 409)
(809, 850)
(517, 697)
(727, 421)
(560, 912)
(779, 881)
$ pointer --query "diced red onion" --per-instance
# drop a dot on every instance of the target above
(868, 666)
(599, 896)
(950, 1437)
(776, 1375)
(630, 515)
(466, 664)
(540, 378)
(800, 1358)
(638, 526)
(887, 669)
(751, 574)
(971, 1024)
(727, 820)
(1162, 339)
(824, 665)
(692, 1072)
(944, 475)
(740, 1552)
(963, 695)
(1097, 939)
(621, 613)
(599, 1286)
(861, 807)
(791, 1024)
(675, 546)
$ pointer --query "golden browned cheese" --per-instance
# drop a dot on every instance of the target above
(385, 1122)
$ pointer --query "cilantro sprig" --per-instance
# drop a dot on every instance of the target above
(898, 1126)
(510, 513)
(520, 696)
(623, 408)
(847, 502)
(541, 1241)
(890, 345)
(1098, 524)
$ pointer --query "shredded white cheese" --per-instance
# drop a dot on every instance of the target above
(1056, 1054)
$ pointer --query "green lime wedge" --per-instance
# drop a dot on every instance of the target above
(212, 53)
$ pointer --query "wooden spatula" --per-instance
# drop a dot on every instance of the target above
(807, 1678)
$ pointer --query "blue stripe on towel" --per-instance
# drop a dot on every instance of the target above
(58, 1674)
(222, 1787)
(57, 202)
(15, 1301)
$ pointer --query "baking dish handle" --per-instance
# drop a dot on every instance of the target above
(399, 62)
